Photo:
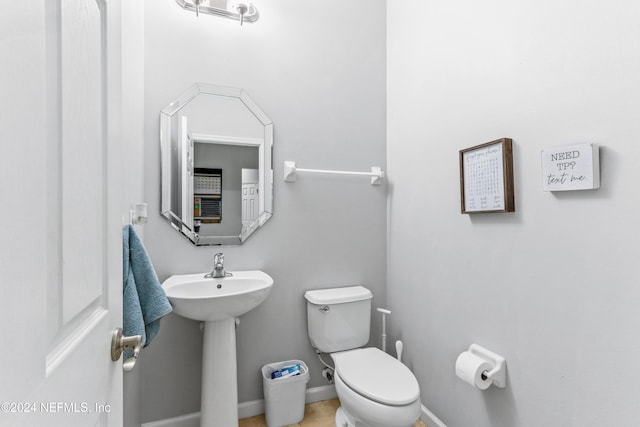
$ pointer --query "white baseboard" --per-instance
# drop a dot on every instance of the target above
(312, 395)
(430, 419)
(248, 409)
(318, 394)
(189, 420)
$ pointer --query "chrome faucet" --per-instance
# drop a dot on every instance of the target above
(218, 267)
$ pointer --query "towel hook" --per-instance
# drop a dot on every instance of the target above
(120, 343)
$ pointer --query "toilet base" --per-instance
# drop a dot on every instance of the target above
(341, 419)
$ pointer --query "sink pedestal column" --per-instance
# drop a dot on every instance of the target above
(219, 404)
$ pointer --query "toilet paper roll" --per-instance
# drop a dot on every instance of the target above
(469, 368)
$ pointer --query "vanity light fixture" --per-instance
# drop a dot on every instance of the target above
(243, 12)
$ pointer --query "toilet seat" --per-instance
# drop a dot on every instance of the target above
(377, 376)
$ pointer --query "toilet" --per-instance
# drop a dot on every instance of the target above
(374, 388)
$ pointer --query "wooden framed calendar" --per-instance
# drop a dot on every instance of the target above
(486, 178)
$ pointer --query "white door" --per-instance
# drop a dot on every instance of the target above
(61, 244)
(187, 155)
(249, 204)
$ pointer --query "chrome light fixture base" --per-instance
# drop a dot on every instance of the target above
(239, 12)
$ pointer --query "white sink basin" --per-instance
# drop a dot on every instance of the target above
(211, 300)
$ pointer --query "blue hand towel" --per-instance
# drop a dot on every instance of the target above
(144, 300)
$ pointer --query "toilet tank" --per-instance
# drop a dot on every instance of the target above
(338, 319)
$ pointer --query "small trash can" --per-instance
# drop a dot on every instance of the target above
(284, 396)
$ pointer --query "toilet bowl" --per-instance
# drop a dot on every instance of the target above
(375, 390)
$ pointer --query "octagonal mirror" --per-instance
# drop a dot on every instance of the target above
(217, 174)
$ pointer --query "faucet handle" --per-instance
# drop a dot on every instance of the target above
(218, 259)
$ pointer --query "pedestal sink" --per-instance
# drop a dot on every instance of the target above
(218, 302)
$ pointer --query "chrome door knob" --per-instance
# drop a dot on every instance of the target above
(120, 343)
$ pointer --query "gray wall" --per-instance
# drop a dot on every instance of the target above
(318, 71)
(554, 286)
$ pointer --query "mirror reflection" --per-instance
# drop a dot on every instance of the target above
(217, 177)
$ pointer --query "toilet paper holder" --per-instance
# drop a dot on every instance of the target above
(498, 373)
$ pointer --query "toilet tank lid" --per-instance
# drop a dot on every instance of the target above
(338, 295)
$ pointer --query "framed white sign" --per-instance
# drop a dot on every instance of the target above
(571, 167)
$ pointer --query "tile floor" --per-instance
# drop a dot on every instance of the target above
(319, 414)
